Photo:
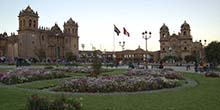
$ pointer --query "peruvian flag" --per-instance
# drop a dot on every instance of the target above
(117, 30)
(126, 32)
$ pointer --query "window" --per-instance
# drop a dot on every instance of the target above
(34, 24)
(30, 23)
(185, 48)
(163, 49)
(184, 33)
(42, 37)
(164, 35)
(74, 45)
(184, 42)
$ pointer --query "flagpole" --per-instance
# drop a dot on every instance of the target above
(113, 55)
(113, 42)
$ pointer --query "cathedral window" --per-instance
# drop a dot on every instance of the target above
(34, 23)
(163, 49)
(184, 33)
(42, 37)
(30, 23)
(164, 35)
(185, 48)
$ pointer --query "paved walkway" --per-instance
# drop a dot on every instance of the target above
(176, 68)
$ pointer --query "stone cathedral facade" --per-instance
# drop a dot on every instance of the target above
(179, 45)
(31, 38)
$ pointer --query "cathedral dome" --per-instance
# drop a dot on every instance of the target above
(185, 25)
(164, 27)
(71, 22)
(28, 11)
(56, 29)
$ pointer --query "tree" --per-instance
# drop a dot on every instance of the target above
(96, 64)
(212, 53)
(40, 53)
(70, 56)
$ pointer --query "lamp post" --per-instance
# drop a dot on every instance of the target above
(146, 36)
(202, 50)
(83, 46)
(122, 44)
(170, 50)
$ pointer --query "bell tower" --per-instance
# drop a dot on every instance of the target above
(164, 32)
(71, 37)
(28, 20)
(185, 30)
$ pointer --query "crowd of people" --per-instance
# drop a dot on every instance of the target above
(201, 67)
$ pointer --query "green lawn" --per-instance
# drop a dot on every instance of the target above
(5, 69)
(40, 84)
(205, 96)
(114, 72)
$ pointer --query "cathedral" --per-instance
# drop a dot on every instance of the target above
(180, 45)
(32, 40)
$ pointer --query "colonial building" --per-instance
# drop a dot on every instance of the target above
(179, 45)
(33, 40)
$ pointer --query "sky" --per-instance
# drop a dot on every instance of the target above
(97, 17)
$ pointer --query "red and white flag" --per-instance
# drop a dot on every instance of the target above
(126, 32)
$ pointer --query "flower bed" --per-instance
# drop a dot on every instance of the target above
(28, 75)
(167, 73)
(79, 70)
(121, 83)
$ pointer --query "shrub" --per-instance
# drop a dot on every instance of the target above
(61, 103)
(37, 103)
(96, 64)
(212, 74)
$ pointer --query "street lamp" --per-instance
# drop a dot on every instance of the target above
(170, 50)
(83, 46)
(202, 51)
(146, 36)
(122, 44)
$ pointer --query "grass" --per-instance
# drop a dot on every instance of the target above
(206, 95)
(40, 84)
(5, 69)
(114, 72)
